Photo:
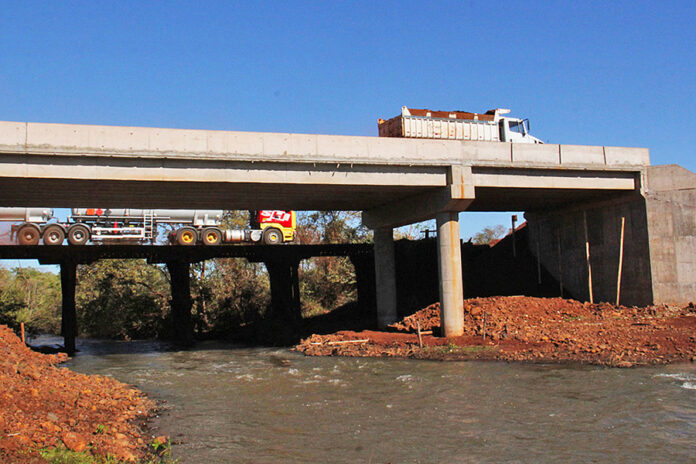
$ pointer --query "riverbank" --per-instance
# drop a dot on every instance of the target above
(529, 329)
(46, 407)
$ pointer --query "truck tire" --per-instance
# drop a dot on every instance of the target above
(53, 235)
(78, 234)
(272, 236)
(211, 236)
(28, 234)
(186, 236)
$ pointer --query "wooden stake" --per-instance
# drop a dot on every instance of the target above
(514, 244)
(538, 237)
(621, 247)
(560, 261)
(21, 325)
(587, 256)
(420, 339)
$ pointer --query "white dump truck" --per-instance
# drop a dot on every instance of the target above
(187, 227)
(490, 126)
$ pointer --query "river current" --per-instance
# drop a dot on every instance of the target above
(228, 404)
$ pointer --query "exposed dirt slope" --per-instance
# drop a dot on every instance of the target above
(531, 329)
(46, 406)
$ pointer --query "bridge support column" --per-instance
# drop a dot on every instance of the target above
(385, 276)
(450, 272)
(68, 280)
(364, 265)
(285, 286)
(181, 302)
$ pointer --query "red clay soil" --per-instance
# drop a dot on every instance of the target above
(530, 329)
(44, 406)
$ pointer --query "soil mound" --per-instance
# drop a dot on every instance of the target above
(521, 328)
(44, 406)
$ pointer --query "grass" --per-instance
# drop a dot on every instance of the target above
(457, 349)
(162, 455)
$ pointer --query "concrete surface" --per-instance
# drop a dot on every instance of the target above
(659, 263)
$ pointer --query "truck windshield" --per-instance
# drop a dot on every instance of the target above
(516, 126)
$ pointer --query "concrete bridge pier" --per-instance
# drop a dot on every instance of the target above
(283, 273)
(181, 302)
(68, 280)
(385, 276)
(449, 255)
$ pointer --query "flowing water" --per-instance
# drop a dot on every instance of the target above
(226, 404)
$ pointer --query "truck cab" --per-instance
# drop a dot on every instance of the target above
(513, 129)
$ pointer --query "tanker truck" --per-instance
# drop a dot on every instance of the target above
(105, 225)
(490, 126)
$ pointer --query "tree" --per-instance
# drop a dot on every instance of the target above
(32, 297)
(228, 292)
(489, 234)
(122, 298)
(328, 282)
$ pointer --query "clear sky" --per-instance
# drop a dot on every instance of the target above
(594, 73)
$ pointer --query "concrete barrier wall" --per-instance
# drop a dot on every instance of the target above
(40, 138)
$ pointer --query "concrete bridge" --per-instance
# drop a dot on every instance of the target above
(392, 181)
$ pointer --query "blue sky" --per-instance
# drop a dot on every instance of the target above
(595, 73)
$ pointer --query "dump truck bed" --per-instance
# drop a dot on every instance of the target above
(452, 125)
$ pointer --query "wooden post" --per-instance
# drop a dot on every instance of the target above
(514, 245)
(587, 256)
(538, 252)
(621, 247)
(68, 278)
(21, 326)
(285, 298)
(560, 261)
(181, 302)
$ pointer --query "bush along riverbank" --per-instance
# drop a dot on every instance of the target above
(530, 329)
(51, 414)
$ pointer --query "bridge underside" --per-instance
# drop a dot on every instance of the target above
(71, 193)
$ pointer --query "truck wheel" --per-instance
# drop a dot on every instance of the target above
(272, 236)
(78, 234)
(186, 236)
(212, 236)
(28, 234)
(53, 235)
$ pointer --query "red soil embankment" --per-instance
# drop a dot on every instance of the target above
(531, 329)
(44, 406)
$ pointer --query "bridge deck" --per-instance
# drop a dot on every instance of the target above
(63, 165)
(164, 253)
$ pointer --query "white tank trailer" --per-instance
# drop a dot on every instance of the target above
(187, 227)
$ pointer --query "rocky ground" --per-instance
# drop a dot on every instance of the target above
(44, 406)
(530, 329)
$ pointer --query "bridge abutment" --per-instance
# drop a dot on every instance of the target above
(181, 302)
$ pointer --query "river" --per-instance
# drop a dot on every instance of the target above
(228, 404)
